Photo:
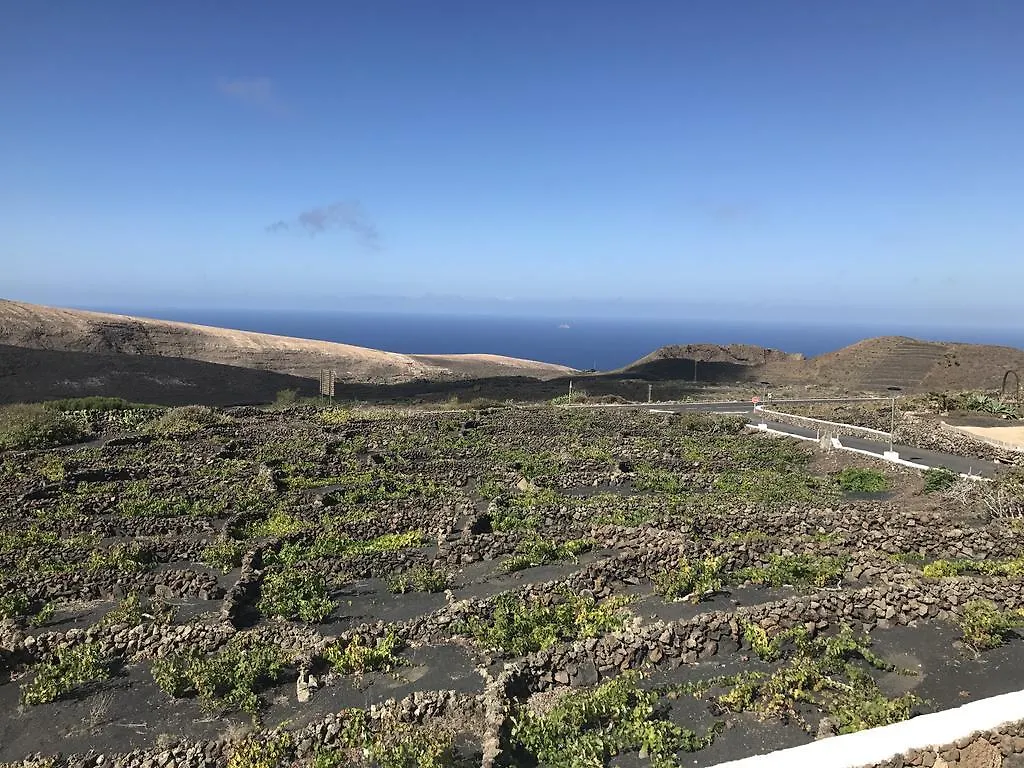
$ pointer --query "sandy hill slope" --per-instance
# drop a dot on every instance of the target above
(871, 365)
(71, 330)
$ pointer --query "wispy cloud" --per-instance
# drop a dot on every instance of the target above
(346, 215)
(256, 92)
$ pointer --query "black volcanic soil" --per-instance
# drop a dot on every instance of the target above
(452, 486)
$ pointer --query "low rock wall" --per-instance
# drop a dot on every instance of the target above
(421, 708)
(705, 635)
(1001, 747)
(111, 585)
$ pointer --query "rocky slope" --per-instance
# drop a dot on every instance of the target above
(871, 365)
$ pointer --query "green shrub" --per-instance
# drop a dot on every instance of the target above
(24, 427)
(420, 578)
(225, 555)
(694, 580)
(521, 511)
(294, 594)
(857, 480)
(657, 480)
(519, 627)
(122, 558)
(771, 486)
(138, 499)
(589, 728)
(355, 657)
(52, 468)
(531, 465)
(331, 545)
(986, 403)
(71, 669)
(827, 672)
(186, 420)
(229, 679)
(286, 398)
(137, 609)
(93, 403)
(536, 551)
(984, 626)
(938, 569)
(577, 396)
(690, 423)
(263, 751)
(388, 542)
(911, 558)
(13, 604)
(937, 480)
(408, 747)
(336, 415)
(394, 745)
(797, 570)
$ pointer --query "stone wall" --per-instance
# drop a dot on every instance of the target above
(432, 708)
(1001, 747)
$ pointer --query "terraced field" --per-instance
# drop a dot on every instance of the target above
(253, 588)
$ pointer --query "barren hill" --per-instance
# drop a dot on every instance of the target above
(705, 362)
(39, 374)
(70, 330)
(870, 365)
(885, 361)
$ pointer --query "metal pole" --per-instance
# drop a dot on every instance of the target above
(649, 393)
(695, 370)
(570, 392)
(892, 423)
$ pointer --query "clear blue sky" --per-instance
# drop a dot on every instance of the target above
(691, 153)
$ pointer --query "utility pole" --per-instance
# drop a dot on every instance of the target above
(649, 392)
(570, 392)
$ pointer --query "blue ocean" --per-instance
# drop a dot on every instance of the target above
(601, 343)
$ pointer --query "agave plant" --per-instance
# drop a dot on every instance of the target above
(989, 404)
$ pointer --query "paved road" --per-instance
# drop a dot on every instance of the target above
(734, 406)
(959, 464)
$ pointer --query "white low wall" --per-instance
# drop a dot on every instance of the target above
(988, 440)
(876, 745)
(893, 458)
(819, 422)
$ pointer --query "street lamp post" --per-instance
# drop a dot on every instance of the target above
(892, 418)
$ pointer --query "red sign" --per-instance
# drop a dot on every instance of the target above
(755, 399)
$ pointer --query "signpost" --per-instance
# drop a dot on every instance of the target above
(762, 425)
(328, 378)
